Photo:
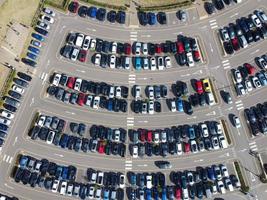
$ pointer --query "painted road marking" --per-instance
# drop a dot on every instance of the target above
(128, 164)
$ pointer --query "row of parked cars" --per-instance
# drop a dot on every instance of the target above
(5, 197)
(244, 32)
(177, 140)
(256, 117)
(97, 13)
(103, 140)
(246, 79)
(42, 28)
(210, 7)
(12, 103)
(151, 18)
(202, 182)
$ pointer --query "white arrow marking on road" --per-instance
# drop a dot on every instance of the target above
(194, 117)
(143, 121)
(68, 112)
(200, 160)
(142, 78)
(60, 155)
(243, 150)
(233, 15)
(144, 165)
(211, 113)
(211, 48)
(216, 67)
(32, 101)
(254, 52)
(45, 77)
(229, 108)
(78, 70)
(184, 75)
(16, 139)
(198, 72)
(8, 186)
(148, 36)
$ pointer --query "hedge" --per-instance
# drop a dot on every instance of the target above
(244, 187)
(105, 5)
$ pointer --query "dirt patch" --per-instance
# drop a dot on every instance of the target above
(146, 3)
(4, 71)
(16, 10)
(115, 2)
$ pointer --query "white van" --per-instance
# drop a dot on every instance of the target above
(79, 40)
(223, 142)
(210, 98)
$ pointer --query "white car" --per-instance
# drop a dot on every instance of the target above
(137, 92)
(256, 21)
(228, 184)
(49, 19)
(179, 148)
(204, 130)
(77, 84)
(112, 61)
(98, 194)
(224, 170)
(153, 65)
(117, 134)
(114, 47)
(127, 63)
(236, 122)
(41, 120)
(190, 60)
(49, 12)
(261, 15)
(118, 92)
(91, 192)
(237, 76)
(122, 181)
(55, 186)
(156, 137)
(97, 59)
(173, 106)
(135, 151)
(63, 188)
(168, 63)
(100, 176)
(56, 79)
(69, 189)
(86, 42)
(218, 128)
(79, 40)
(43, 25)
(222, 141)
(149, 181)
(138, 48)
(145, 63)
(144, 108)
(93, 44)
(215, 142)
(193, 143)
(111, 92)
(17, 88)
(89, 100)
(163, 136)
(75, 53)
(256, 82)
(151, 93)
(160, 63)
(221, 187)
(248, 85)
(7, 114)
(50, 137)
(144, 49)
(5, 121)
(96, 102)
(151, 107)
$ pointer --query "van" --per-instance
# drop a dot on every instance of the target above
(223, 142)
(210, 98)
(243, 41)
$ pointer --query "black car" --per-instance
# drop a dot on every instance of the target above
(181, 59)
(228, 47)
(99, 44)
(123, 105)
(34, 132)
(137, 106)
(82, 12)
(24, 76)
(188, 108)
(59, 93)
(202, 99)
(41, 31)
(157, 106)
(209, 7)
(104, 60)
(227, 2)
(66, 51)
(249, 37)
(9, 107)
(14, 94)
(106, 46)
(162, 19)
(120, 17)
(194, 100)
(143, 19)
(256, 35)
(151, 49)
(120, 48)
(81, 129)
(21, 82)
(111, 16)
(29, 62)
(101, 14)
(219, 4)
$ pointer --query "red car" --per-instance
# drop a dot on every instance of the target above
(235, 43)
(81, 99)
(180, 47)
(143, 135)
(196, 55)
(178, 193)
(250, 69)
(101, 147)
(149, 136)
(82, 55)
(70, 83)
(186, 147)
(73, 7)
(127, 48)
(158, 48)
(199, 87)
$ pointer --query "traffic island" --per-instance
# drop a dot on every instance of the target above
(244, 186)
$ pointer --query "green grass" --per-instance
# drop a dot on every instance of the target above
(244, 187)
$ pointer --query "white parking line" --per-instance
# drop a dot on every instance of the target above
(213, 27)
(225, 61)
(214, 23)
(213, 20)
(240, 108)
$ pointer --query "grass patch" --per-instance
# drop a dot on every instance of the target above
(244, 187)
(106, 5)
(226, 133)
(165, 6)
(7, 86)
(60, 4)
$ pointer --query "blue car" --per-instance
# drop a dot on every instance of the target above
(121, 17)
(3, 127)
(59, 172)
(38, 37)
(155, 194)
(65, 173)
(106, 194)
(180, 105)
(31, 56)
(151, 18)
(133, 179)
(191, 133)
(23, 161)
(148, 194)
(92, 12)
(138, 63)
(110, 104)
(211, 174)
(34, 50)
(63, 141)
(164, 194)
(36, 43)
